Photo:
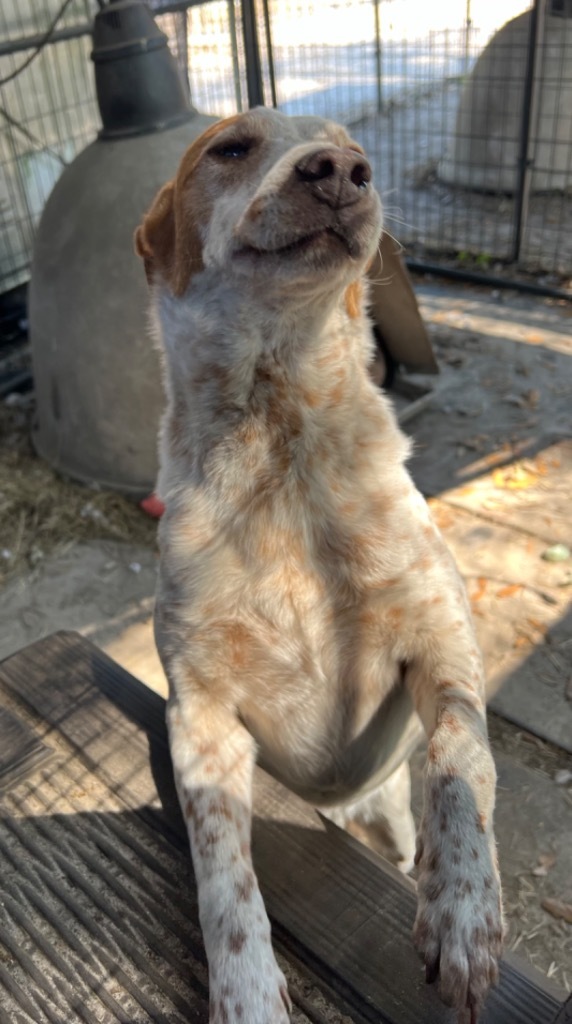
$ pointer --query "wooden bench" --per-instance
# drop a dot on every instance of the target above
(99, 917)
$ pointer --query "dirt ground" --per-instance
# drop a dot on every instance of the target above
(493, 454)
(501, 485)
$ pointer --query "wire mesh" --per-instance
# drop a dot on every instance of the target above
(204, 40)
(435, 93)
(548, 214)
(49, 113)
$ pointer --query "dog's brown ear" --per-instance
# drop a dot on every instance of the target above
(155, 238)
(168, 240)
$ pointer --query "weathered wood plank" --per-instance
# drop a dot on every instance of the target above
(333, 905)
(565, 1015)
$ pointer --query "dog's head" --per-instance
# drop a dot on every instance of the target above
(284, 202)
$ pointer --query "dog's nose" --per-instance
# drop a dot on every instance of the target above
(337, 177)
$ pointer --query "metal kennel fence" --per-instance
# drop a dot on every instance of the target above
(465, 109)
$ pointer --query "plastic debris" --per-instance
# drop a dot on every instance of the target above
(153, 506)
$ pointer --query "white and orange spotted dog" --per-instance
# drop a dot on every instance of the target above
(308, 610)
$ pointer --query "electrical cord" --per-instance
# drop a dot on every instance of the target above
(45, 39)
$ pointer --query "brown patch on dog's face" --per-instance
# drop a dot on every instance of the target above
(169, 240)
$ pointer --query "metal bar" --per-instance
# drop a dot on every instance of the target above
(487, 280)
(84, 28)
(254, 82)
(524, 158)
(27, 227)
(467, 55)
(378, 62)
(60, 35)
(534, 115)
(269, 52)
(182, 35)
(234, 51)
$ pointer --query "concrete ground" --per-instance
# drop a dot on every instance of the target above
(493, 452)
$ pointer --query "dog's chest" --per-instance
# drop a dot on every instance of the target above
(280, 615)
(282, 562)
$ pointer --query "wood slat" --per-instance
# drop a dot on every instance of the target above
(334, 907)
(565, 1015)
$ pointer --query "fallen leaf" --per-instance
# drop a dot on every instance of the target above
(558, 909)
(481, 588)
(535, 740)
(540, 627)
(514, 478)
(532, 397)
(514, 400)
(477, 443)
(500, 454)
(538, 466)
(545, 862)
(508, 591)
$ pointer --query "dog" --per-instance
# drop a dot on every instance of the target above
(308, 613)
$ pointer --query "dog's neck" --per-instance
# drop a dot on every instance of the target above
(235, 365)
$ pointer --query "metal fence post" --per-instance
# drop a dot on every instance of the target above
(529, 109)
(254, 81)
(269, 52)
(468, 24)
(234, 52)
(378, 57)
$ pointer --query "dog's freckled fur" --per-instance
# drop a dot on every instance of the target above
(308, 612)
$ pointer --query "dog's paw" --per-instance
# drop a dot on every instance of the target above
(242, 994)
(459, 928)
(246, 984)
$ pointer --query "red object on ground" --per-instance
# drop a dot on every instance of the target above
(153, 506)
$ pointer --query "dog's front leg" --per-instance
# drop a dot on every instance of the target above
(458, 929)
(213, 759)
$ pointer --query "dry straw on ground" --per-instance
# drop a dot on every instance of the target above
(41, 513)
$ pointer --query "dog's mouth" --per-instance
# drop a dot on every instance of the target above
(324, 238)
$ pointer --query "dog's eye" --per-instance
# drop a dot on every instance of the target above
(236, 150)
